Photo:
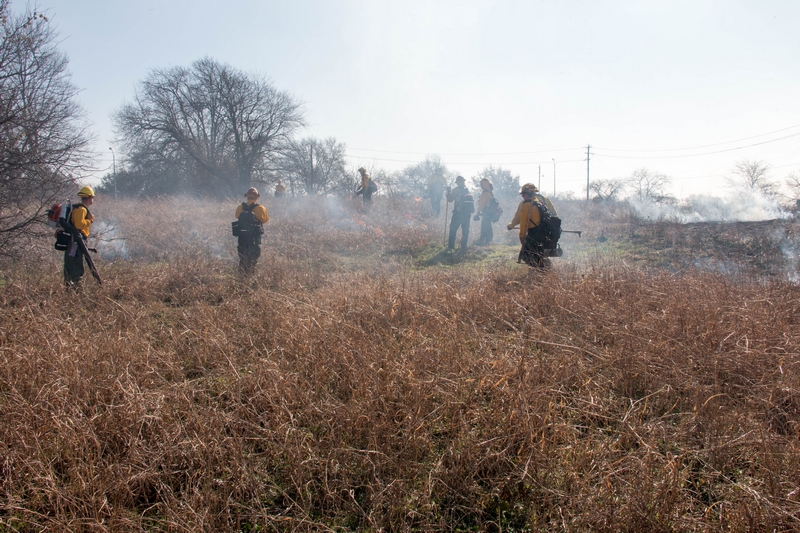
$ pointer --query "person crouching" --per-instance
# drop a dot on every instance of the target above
(251, 216)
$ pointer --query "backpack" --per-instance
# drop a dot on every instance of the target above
(372, 188)
(466, 205)
(58, 216)
(493, 210)
(247, 225)
(548, 231)
(58, 211)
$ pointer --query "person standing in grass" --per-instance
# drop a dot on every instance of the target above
(437, 183)
(280, 190)
(482, 213)
(528, 217)
(463, 207)
(367, 187)
(81, 219)
(251, 216)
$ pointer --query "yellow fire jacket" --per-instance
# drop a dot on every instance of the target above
(527, 216)
(484, 200)
(81, 219)
(259, 211)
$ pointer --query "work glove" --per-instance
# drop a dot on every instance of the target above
(476, 217)
(90, 217)
(510, 227)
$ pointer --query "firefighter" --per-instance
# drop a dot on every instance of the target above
(527, 216)
(437, 184)
(367, 187)
(251, 216)
(81, 219)
(482, 213)
(280, 190)
(463, 207)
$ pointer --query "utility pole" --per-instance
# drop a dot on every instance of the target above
(114, 165)
(587, 172)
(540, 177)
(554, 177)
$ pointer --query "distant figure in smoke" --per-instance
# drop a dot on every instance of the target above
(280, 190)
(528, 217)
(251, 216)
(81, 219)
(463, 207)
(437, 184)
(367, 187)
(484, 204)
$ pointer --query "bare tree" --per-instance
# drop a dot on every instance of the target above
(219, 124)
(753, 176)
(413, 179)
(607, 189)
(649, 185)
(43, 131)
(505, 184)
(315, 166)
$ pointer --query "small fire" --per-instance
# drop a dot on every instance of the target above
(417, 199)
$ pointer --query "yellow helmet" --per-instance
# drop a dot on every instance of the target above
(528, 187)
(86, 192)
(362, 170)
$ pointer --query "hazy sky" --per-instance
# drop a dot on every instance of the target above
(687, 88)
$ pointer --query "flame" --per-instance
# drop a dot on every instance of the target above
(417, 199)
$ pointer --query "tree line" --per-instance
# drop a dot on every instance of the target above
(208, 129)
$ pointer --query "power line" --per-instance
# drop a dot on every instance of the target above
(705, 145)
(703, 153)
(464, 153)
(461, 163)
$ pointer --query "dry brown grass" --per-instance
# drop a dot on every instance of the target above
(361, 393)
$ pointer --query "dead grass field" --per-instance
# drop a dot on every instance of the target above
(347, 387)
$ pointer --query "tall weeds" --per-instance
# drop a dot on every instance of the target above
(347, 389)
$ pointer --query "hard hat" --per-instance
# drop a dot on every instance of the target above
(252, 192)
(460, 178)
(528, 187)
(362, 170)
(86, 192)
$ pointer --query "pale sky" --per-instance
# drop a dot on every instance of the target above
(686, 88)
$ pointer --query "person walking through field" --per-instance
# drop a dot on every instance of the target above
(81, 219)
(437, 184)
(251, 216)
(280, 190)
(463, 207)
(482, 214)
(528, 217)
(367, 187)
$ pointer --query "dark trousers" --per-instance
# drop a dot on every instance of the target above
(73, 265)
(249, 251)
(487, 234)
(459, 220)
(436, 204)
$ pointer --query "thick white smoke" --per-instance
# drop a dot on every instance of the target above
(738, 207)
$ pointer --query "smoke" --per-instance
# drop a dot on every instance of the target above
(739, 207)
(111, 243)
